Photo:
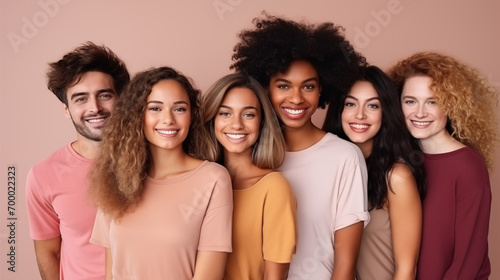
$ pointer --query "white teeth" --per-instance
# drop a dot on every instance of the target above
(294, 112)
(168, 132)
(359, 126)
(96, 120)
(421, 123)
(235, 136)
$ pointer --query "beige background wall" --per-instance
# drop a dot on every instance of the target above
(197, 37)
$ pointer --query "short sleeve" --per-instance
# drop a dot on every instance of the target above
(43, 220)
(352, 201)
(100, 233)
(216, 228)
(280, 218)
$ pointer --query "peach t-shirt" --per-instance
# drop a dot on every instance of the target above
(175, 218)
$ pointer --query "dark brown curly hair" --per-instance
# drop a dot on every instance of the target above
(276, 42)
(121, 167)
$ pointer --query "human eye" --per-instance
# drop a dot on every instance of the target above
(373, 106)
(348, 104)
(283, 86)
(106, 96)
(409, 101)
(223, 114)
(432, 102)
(154, 109)
(180, 109)
(80, 99)
(248, 115)
(309, 87)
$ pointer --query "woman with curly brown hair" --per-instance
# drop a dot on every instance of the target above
(449, 110)
(164, 213)
(302, 65)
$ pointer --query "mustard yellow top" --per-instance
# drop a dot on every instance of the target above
(264, 227)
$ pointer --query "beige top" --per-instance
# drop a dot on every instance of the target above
(376, 257)
(174, 220)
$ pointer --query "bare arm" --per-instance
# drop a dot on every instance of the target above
(347, 242)
(48, 254)
(405, 214)
(109, 264)
(210, 265)
(275, 271)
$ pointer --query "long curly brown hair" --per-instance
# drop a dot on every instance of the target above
(463, 95)
(121, 166)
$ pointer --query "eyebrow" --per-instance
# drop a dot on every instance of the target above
(161, 102)
(313, 79)
(244, 108)
(369, 99)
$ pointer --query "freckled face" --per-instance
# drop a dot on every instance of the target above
(295, 94)
(424, 119)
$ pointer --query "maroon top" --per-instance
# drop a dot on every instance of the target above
(456, 215)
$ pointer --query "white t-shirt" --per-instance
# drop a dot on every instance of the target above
(329, 180)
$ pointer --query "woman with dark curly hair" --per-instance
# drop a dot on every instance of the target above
(164, 213)
(371, 117)
(246, 138)
(302, 65)
(449, 109)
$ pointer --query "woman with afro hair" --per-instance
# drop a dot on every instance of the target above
(302, 66)
(449, 110)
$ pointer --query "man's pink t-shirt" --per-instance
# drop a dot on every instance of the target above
(174, 220)
(56, 196)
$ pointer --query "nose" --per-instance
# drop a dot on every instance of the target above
(94, 105)
(236, 123)
(296, 96)
(168, 117)
(360, 113)
(421, 111)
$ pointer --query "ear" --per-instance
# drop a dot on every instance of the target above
(67, 114)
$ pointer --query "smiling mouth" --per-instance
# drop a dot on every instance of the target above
(359, 126)
(166, 132)
(235, 136)
(421, 123)
(96, 120)
(294, 112)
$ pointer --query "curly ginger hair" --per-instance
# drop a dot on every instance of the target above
(461, 93)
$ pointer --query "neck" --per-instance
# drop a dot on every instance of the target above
(366, 148)
(302, 138)
(86, 148)
(439, 144)
(168, 163)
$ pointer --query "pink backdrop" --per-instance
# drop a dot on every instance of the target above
(196, 37)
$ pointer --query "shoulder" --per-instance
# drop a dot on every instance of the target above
(214, 171)
(339, 146)
(276, 181)
(60, 155)
(401, 180)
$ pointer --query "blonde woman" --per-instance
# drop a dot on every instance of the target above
(247, 140)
